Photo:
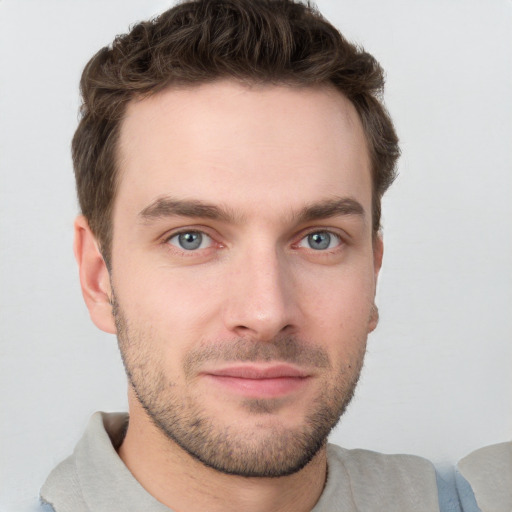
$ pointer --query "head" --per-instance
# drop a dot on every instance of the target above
(230, 163)
(264, 41)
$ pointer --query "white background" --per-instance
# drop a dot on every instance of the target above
(437, 376)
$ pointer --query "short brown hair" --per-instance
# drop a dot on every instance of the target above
(256, 41)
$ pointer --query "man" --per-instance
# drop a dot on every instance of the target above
(230, 163)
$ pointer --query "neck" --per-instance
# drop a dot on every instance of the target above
(182, 483)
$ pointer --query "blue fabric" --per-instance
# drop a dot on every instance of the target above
(447, 493)
(45, 507)
(466, 494)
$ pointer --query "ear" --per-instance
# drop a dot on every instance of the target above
(378, 253)
(94, 276)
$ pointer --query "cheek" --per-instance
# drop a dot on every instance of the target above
(341, 296)
(170, 300)
(337, 311)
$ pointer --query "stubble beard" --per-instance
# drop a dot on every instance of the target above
(269, 449)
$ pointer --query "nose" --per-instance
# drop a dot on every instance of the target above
(261, 302)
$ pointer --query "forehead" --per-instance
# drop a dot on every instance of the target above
(260, 146)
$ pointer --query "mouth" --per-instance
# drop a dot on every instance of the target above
(259, 381)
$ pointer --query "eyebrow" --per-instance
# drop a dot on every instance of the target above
(168, 207)
(339, 206)
(164, 207)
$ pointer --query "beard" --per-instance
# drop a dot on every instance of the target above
(269, 448)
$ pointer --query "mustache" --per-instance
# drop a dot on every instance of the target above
(287, 349)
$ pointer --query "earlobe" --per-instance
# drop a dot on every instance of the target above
(94, 276)
(374, 318)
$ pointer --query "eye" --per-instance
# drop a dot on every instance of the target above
(320, 241)
(190, 240)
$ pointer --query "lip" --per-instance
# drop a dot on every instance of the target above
(259, 381)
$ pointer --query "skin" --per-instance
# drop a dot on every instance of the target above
(262, 156)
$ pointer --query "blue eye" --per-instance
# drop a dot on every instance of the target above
(320, 241)
(190, 240)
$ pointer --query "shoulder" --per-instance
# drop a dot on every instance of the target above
(91, 465)
(380, 467)
(497, 457)
(385, 482)
(488, 471)
(63, 486)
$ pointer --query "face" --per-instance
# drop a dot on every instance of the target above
(244, 268)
